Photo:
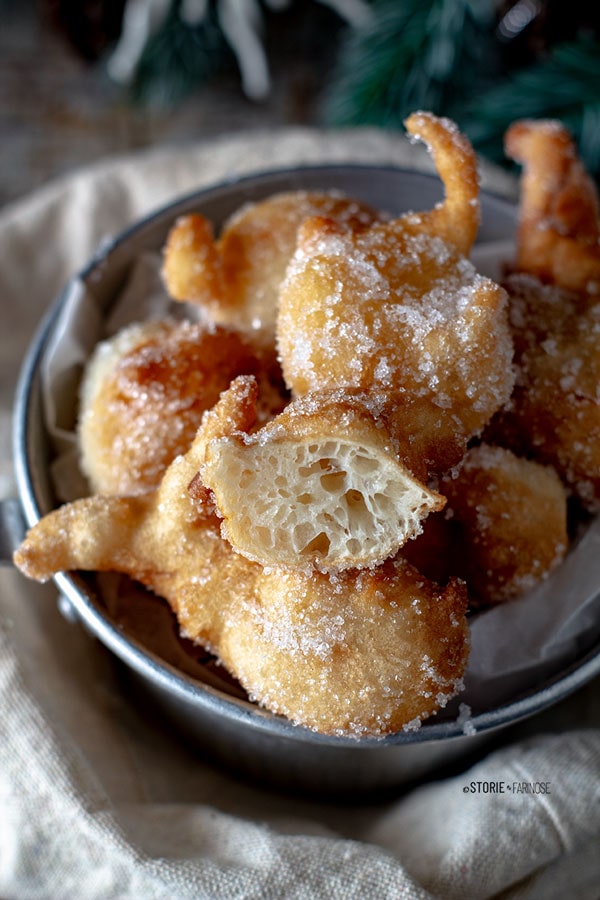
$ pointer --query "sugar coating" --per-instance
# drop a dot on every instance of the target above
(235, 278)
(395, 311)
(314, 631)
(554, 413)
(511, 516)
(144, 393)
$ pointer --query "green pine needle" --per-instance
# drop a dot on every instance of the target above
(565, 85)
(443, 55)
(416, 54)
(178, 59)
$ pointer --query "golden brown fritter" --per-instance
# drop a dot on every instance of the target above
(235, 279)
(364, 652)
(509, 521)
(398, 308)
(554, 412)
(321, 484)
(144, 392)
(559, 222)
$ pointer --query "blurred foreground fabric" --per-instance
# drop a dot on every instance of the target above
(99, 800)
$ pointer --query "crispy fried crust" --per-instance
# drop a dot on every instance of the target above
(397, 308)
(503, 531)
(554, 412)
(457, 219)
(559, 227)
(144, 392)
(372, 652)
(511, 520)
(364, 653)
(235, 279)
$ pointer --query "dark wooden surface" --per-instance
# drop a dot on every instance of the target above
(59, 112)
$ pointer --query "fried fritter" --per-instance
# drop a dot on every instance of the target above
(559, 221)
(364, 652)
(510, 516)
(320, 484)
(144, 392)
(398, 308)
(554, 412)
(503, 531)
(236, 278)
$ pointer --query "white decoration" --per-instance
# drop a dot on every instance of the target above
(141, 20)
(242, 24)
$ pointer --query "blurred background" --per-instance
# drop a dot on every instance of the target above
(83, 79)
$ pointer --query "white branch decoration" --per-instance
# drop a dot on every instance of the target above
(242, 24)
(141, 20)
(193, 12)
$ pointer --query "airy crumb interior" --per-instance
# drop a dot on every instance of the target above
(334, 501)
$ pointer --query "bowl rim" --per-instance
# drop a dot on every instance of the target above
(145, 662)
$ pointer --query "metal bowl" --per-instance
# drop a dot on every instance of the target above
(212, 713)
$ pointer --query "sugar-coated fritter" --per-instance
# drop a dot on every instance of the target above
(364, 652)
(397, 307)
(559, 221)
(554, 412)
(503, 531)
(235, 278)
(511, 518)
(322, 483)
(144, 392)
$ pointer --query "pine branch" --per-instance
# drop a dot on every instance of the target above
(180, 58)
(417, 54)
(565, 85)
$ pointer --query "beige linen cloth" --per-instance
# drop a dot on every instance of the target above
(97, 800)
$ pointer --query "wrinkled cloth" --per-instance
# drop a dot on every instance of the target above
(99, 799)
